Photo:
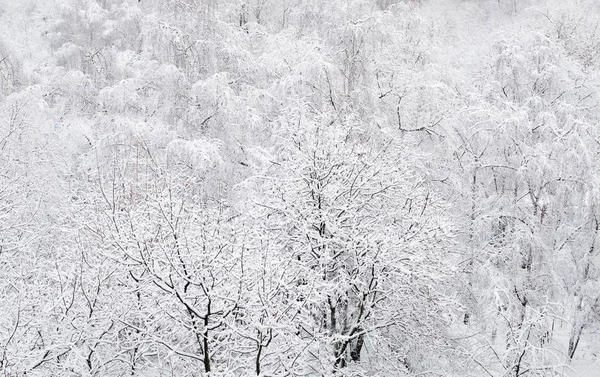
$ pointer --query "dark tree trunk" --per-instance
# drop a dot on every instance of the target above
(355, 353)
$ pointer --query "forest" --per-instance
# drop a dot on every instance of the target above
(286, 188)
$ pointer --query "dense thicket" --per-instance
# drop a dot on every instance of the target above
(299, 187)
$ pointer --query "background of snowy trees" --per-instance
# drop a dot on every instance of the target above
(299, 188)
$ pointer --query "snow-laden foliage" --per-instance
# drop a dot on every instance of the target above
(299, 188)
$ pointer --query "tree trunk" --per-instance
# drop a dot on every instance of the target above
(355, 353)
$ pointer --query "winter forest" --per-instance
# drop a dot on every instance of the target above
(300, 188)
